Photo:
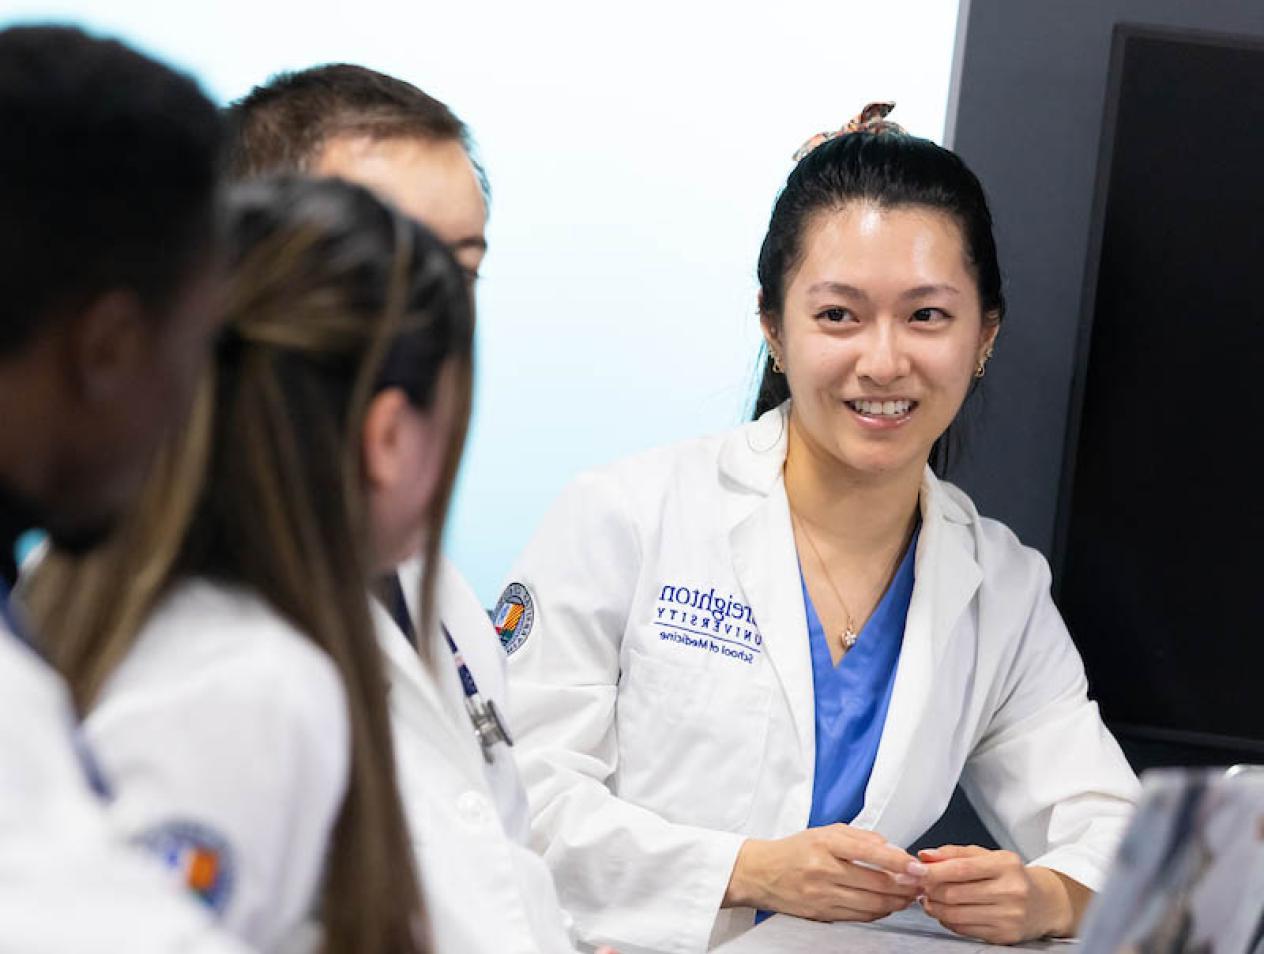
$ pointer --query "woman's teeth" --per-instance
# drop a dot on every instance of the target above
(881, 408)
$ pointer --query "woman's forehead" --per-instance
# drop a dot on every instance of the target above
(867, 243)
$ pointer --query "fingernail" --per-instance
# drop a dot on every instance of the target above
(917, 868)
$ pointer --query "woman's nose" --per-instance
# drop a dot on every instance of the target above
(882, 359)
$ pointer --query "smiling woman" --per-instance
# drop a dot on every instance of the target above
(880, 301)
(904, 643)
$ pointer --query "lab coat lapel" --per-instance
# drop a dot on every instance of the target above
(416, 696)
(947, 577)
(766, 563)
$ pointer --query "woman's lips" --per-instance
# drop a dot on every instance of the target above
(882, 414)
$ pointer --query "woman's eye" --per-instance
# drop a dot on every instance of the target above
(835, 315)
(927, 314)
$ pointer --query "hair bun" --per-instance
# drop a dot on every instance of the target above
(871, 119)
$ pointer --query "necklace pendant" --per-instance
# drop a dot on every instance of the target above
(849, 638)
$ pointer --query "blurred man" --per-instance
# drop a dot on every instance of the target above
(108, 287)
(373, 129)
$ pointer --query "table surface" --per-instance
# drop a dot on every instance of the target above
(906, 932)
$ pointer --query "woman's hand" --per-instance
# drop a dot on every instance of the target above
(833, 873)
(992, 895)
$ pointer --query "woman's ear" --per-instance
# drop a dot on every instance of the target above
(769, 325)
(987, 336)
(383, 439)
(991, 324)
(404, 450)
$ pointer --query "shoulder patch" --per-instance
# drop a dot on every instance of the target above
(200, 856)
(514, 617)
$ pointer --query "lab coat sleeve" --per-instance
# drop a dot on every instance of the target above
(67, 884)
(1046, 775)
(252, 750)
(74, 889)
(629, 877)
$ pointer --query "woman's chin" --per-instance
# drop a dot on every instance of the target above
(880, 462)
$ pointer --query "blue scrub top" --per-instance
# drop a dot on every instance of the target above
(852, 699)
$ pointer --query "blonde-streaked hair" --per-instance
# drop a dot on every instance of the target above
(333, 298)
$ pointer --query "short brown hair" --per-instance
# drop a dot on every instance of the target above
(282, 125)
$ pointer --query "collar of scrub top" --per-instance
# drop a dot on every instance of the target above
(489, 727)
(12, 618)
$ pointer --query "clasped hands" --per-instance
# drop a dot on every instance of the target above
(840, 873)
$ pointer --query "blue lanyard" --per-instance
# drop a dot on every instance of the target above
(467, 678)
(489, 727)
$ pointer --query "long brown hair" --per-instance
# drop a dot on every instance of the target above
(333, 297)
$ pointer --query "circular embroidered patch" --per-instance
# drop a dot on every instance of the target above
(514, 617)
(199, 855)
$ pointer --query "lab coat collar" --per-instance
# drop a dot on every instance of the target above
(947, 578)
(766, 563)
(753, 456)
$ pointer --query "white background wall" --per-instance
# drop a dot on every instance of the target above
(634, 150)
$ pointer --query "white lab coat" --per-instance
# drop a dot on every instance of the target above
(664, 700)
(68, 883)
(226, 717)
(486, 892)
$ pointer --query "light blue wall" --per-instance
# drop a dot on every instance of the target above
(634, 157)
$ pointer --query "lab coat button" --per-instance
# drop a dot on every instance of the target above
(474, 809)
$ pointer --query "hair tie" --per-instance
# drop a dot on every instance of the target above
(872, 119)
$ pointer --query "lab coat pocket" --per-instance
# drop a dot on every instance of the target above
(692, 738)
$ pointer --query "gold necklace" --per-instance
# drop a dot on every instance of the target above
(849, 635)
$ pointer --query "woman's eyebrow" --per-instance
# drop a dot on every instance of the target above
(851, 291)
(925, 291)
(838, 288)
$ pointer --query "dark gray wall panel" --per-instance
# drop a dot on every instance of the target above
(1026, 114)
(1029, 87)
